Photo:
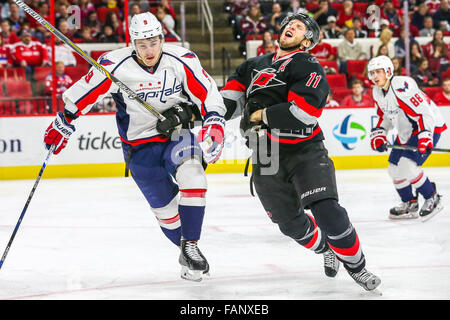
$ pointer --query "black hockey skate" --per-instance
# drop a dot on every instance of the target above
(405, 210)
(330, 263)
(193, 263)
(365, 279)
(431, 206)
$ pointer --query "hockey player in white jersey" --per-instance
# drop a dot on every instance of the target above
(171, 80)
(402, 105)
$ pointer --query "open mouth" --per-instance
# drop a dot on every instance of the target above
(289, 34)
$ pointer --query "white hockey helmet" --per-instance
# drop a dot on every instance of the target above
(381, 62)
(143, 26)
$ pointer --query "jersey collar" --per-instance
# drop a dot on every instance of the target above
(286, 56)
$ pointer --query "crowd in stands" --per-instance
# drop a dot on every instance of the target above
(25, 45)
(350, 21)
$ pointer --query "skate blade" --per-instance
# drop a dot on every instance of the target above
(408, 216)
(192, 275)
(431, 215)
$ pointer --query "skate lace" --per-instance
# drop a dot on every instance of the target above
(363, 276)
(192, 250)
(329, 259)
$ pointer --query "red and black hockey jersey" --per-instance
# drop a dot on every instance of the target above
(292, 87)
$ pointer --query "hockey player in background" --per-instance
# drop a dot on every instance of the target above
(402, 105)
(284, 95)
(171, 80)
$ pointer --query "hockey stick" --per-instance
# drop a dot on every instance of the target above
(5, 253)
(415, 148)
(86, 57)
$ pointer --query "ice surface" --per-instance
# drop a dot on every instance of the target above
(97, 239)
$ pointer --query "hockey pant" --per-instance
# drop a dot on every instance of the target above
(405, 169)
(171, 177)
(306, 179)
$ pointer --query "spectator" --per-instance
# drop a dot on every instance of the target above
(438, 37)
(143, 6)
(440, 59)
(85, 7)
(428, 30)
(383, 50)
(349, 49)
(393, 15)
(345, 17)
(169, 34)
(357, 26)
(29, 54)
(323, 51)
(398, 69)
(423, 75)
(418, 16)
(239, 10)
(268, 47)
(93, 23)
(267, 38)
(165, 18)
(442, 16)
(385, 39)
(443, 97)
(5, 55)
(413, 30)
(112, 20)
(8, 36)
(332, 31)
(169, 10)
(63, 53)
(61, 14)
(324, 11)
(400, 49)
(254, 23)
(331, 103)
(15, 20)
(433, 5)
(63, 81)
(416, 56)
(134, 9)
(84, 36)
(108, 35)
(63, 27)
(358, 97)
(274, 19)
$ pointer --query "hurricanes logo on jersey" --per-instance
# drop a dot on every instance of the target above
(265, 78)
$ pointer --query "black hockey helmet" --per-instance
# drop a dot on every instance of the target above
(313, 29)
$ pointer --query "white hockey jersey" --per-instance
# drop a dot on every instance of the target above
(408, 109)
(177, 77)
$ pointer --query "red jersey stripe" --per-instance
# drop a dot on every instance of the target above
(196, 87)
(305, 106)
(352, 251)
(410, 112)
(92, 96)
(234, 85)
(193, 193)
(138, 142)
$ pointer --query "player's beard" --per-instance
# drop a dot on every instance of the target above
(293, 47)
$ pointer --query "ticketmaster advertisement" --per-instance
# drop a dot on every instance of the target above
(96, 140)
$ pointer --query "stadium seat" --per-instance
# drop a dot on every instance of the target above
(337, 81)
(75, 73)
(432, 91)
(20, 90)
(80, 60)
(103, 12)
(329, 64)
(12, 74)
(40, 73)
(340, 94)
(356, 67)
(97, 53)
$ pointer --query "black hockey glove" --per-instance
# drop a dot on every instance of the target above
(250, 107)
(179, 116)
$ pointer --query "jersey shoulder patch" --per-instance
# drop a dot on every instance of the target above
(403, 85)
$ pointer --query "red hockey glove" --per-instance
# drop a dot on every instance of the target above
(425, 142)
(211, 137)
(378, 139)
(58, 133)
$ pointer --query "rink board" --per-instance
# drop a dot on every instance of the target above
(94, 150)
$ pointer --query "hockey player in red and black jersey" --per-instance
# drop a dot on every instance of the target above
(282, 96)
